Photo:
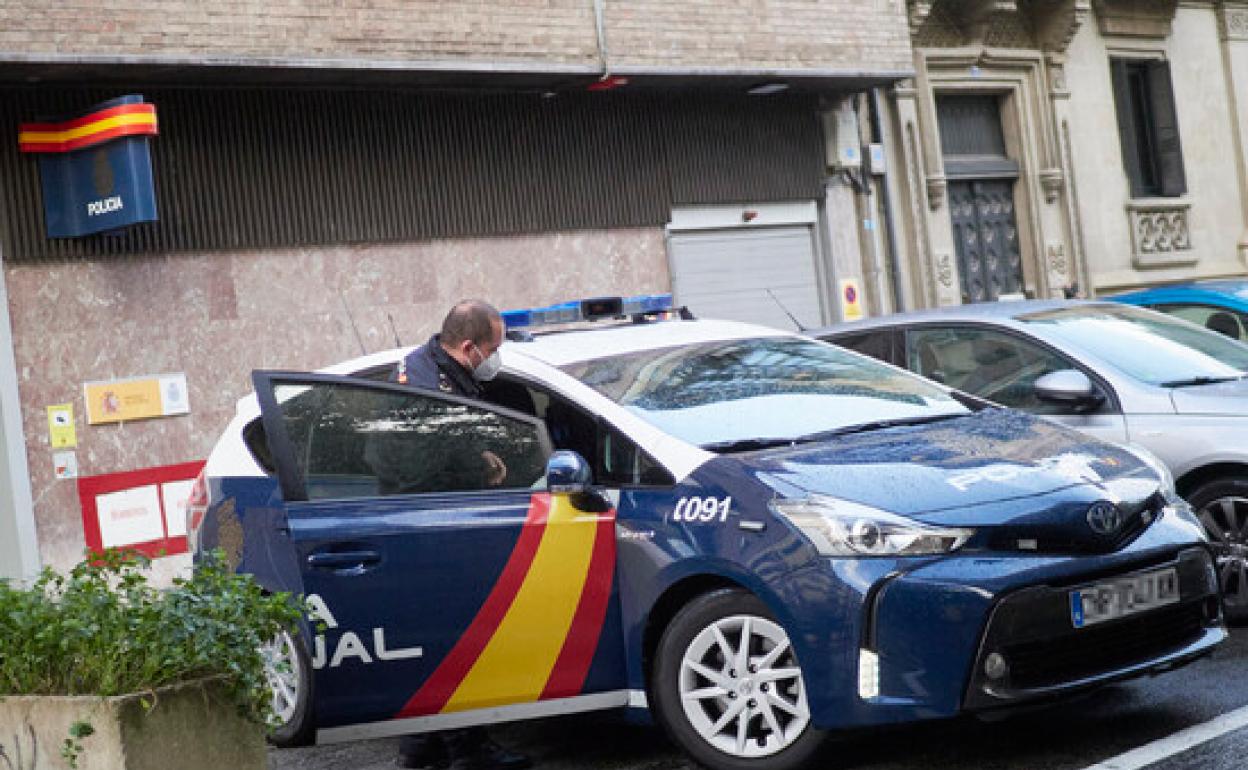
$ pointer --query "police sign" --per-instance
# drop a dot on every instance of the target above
(95, 167)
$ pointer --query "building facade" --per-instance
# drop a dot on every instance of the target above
(1072, 147)
(330, 176)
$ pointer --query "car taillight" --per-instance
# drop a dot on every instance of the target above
(196, 508)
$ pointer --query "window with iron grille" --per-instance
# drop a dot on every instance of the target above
(1149, 128)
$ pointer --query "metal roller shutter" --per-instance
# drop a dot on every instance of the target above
(726, 274)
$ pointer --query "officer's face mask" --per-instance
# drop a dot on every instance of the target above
(489, 366)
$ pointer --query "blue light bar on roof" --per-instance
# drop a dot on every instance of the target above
(587, 310)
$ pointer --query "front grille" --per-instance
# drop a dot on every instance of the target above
(1045, 655)
(1090, 651)
(1073, 535)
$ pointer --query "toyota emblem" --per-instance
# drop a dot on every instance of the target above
(1104, 518)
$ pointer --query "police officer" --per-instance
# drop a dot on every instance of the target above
(457, 360)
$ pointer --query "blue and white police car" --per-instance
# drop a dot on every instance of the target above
(756, 536)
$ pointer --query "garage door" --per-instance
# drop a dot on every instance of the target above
(726, 274)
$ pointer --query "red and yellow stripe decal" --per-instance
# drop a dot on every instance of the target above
(536, 634)
(88, 130)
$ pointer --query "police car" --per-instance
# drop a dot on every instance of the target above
(755, 536)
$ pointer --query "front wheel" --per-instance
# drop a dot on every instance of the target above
(1222, 507)
(727, 686)
(289, 675)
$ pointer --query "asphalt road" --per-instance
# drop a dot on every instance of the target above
(1078, 734)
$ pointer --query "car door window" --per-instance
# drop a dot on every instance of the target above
(876, 343)
(987, 363)
(623, 463)
(360, 440)
(617, 460)
(1221, 320)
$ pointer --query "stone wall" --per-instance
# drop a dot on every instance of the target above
(218, 316)
(1212, 215)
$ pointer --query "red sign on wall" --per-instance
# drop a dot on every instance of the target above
(144, 510)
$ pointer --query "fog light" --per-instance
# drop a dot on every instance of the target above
(868, 674)
(995, 666)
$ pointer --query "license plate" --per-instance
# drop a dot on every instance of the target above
(1123, 596)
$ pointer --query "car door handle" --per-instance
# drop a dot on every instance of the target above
(343, 560)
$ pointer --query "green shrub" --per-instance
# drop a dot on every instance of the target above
(103, 630)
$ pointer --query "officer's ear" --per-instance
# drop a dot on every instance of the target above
(464, 348)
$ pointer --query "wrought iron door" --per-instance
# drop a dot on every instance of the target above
(986, 238)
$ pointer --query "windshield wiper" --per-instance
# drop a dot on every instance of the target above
(748, 444)
(865, 427)
(1197, 381)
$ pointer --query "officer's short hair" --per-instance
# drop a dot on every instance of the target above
(470, 319)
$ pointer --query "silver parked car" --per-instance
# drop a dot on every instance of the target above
(1118, 372)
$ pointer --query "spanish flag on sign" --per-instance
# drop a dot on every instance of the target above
(88, 130)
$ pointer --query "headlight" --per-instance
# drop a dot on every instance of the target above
(844, 528)
(1154, 462)
(1174, 503)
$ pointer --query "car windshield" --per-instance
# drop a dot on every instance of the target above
(1149, 346)
(749, 393)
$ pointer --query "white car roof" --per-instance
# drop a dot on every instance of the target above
(586, 342)
(535, 358)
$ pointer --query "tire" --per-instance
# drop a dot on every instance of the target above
(289, 673)
(1222, 507)
(695, 657)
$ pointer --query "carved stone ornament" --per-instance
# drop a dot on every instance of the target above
(919, 11)
(1160, 233)
(1056, 253)
(1056, 21)
(944, 270)
(1057, 79)
(1052, 180)
(964, 22)
(1135, 18)
(1234, 23)
(937, 185)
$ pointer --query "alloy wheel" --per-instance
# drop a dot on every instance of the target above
(1226, 521)
(281, 670)
(742, 689)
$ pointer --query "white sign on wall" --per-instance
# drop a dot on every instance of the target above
(176, 494)
(130, 516)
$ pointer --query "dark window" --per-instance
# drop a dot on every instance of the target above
(351, 441)
(1229, 322)
(623, 463)
(877, 344)
(617, 460)
(970, 125)
(986, 363)
(258, 443)
(1148, 127)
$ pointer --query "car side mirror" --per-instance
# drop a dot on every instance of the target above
(568, 473)
(1069, 387)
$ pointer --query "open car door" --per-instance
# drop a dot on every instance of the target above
(444, 593)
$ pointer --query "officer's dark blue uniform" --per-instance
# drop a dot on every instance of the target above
(429, 366)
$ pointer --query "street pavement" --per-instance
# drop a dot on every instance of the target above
(1074, 735)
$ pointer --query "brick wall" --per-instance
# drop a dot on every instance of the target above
(739, 33)
(829, 34)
